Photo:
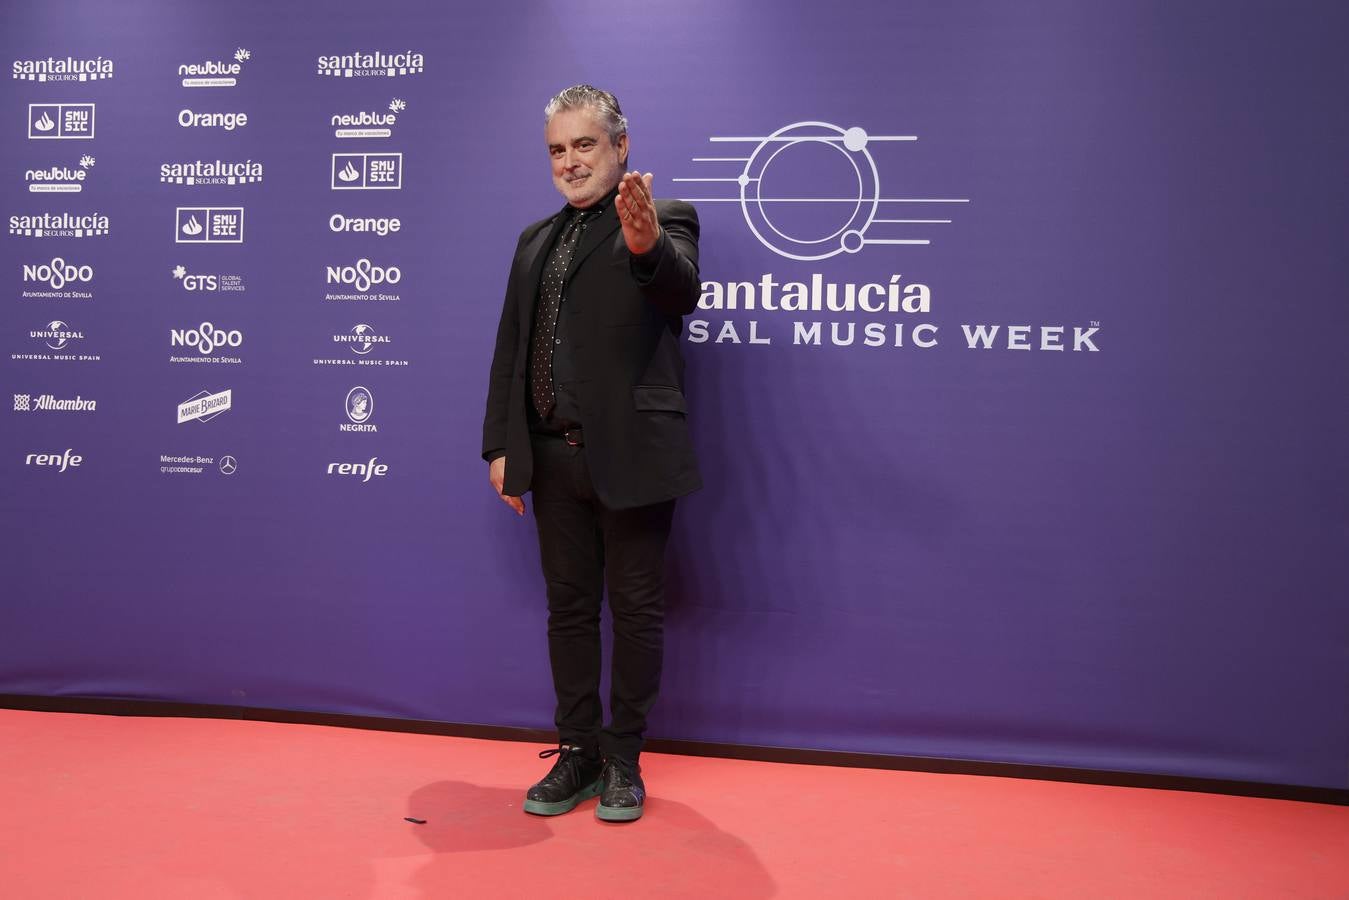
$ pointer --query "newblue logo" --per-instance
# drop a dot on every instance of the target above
(59, 179)
(368, 124)
(214, 73)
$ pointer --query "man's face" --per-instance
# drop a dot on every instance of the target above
(586, 164)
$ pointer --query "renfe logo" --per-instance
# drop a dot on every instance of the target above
(68, 460)
(365, 471)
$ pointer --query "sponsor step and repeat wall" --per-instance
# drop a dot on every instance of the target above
(1017, 376)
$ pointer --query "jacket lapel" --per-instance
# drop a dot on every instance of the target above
(537, 251)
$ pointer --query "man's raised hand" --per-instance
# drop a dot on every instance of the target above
(637, 212)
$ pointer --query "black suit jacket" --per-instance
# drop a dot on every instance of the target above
(624, 331)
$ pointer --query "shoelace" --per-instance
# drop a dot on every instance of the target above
(566, 755)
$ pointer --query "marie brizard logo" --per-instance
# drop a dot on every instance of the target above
(204, 406)
(811, 190)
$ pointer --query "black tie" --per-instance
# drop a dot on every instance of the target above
(545, 319)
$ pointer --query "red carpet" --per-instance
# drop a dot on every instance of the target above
(103, 806)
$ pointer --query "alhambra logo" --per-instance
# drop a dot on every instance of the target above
(812, 190)
(372, 63)
(68, 68)
(214, 73)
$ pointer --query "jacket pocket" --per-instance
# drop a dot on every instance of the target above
(659, 398)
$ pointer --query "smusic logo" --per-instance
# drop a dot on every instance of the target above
(367, 172)
(209, 225)
(62, 69)
(372, 63)
(60, 121)
(201, 172)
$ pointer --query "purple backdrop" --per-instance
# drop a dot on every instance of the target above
(1128, 553)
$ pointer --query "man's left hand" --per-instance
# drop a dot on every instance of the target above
(637, 212)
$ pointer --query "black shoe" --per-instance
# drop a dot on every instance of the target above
(573, 778)
(623, 794)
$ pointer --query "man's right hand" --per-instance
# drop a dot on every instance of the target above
(496, 473)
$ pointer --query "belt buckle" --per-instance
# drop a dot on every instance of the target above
(573, 437)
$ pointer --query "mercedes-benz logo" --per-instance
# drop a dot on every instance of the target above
(228, 464)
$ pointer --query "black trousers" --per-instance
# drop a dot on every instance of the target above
(585, 547)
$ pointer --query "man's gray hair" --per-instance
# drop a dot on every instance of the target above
(603, 103)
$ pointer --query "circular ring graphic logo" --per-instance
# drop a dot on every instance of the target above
(847, 148)
(360, 405)
(228, 465)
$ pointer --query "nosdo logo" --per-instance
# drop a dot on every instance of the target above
(57, 335)
(205, 338)
(62, 69)
(372, 63)
(59, 225)
(59, 179)
(226, 120)
(198, 172)
(58, 461)
(812, 190)
(364, 275)
(368, 124)
(61, 121)
(214, 72)
(58, 273)
(379, 226)
(364, 471)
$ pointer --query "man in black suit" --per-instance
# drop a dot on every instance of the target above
(585, 407)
